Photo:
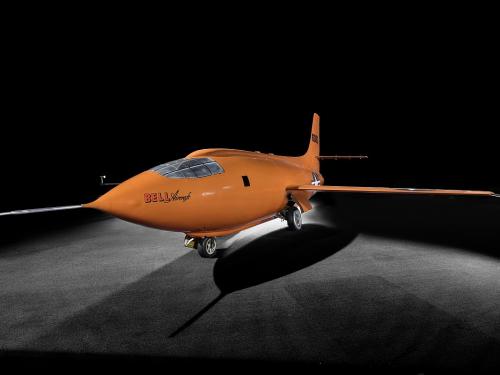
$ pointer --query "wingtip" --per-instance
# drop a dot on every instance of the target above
(39, 210)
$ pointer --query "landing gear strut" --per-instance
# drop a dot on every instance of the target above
(207, 247)
(293, 217)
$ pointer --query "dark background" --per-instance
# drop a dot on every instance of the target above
(113, 95)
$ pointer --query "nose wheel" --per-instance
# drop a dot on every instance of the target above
(207, 247)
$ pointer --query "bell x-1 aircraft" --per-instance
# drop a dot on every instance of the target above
(217, 192)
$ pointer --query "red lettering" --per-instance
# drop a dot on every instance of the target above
(147, 198)
(154, 197)
(160, 197)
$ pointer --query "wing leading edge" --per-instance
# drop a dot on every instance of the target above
(386, 190)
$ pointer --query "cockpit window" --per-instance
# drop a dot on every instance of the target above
(189, 168)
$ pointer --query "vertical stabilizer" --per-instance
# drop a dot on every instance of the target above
(310, 158)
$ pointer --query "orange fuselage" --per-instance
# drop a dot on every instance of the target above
(214, 205)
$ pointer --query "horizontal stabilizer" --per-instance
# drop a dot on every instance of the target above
(38, 210)
(342, 157)
(104, 183)
(386, 190)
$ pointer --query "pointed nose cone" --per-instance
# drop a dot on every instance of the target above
(124, 201)
(115, 202)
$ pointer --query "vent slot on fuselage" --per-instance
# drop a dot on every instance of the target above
(189, 168)
(246, 181)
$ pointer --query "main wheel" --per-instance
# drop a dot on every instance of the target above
(294, 218)
(207, 247)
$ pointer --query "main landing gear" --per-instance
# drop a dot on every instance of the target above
(207, 246)
(293, 217)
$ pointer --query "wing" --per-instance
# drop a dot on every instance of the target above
(386, 190)
(37, 210)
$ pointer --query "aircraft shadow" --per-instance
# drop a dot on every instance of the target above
(277, 254)
(272, 256)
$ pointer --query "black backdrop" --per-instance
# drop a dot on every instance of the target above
(91, 99)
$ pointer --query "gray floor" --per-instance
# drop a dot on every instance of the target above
(323, 295)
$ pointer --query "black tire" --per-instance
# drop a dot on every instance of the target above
(207, 247)
(294, 218)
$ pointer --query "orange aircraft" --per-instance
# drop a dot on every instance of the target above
(217, 192)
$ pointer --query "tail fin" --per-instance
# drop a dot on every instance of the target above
(310, 158)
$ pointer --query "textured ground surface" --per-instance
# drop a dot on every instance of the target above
(324, 295)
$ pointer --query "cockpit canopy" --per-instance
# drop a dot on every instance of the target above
(189, 168)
